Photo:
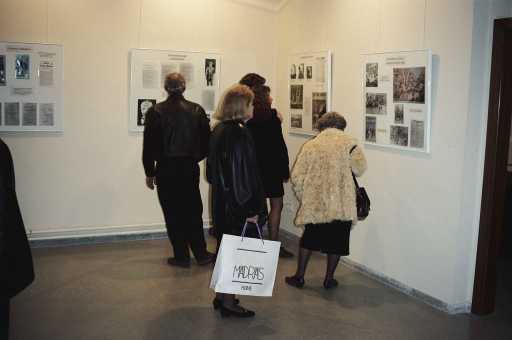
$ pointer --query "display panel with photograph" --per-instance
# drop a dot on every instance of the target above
(149, 68)
(310, 90)
(396, 99)
(31, 77)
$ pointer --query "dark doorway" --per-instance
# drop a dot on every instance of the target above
(492, 245)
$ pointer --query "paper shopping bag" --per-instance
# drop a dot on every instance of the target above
(245, 266)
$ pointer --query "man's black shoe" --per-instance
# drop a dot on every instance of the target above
(207, 259)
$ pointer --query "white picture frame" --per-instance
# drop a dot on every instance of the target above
(31, 87)
(148, 68)
(309, 90)
(396, 99)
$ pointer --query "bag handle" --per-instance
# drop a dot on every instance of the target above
(257, 228)
(354, 176)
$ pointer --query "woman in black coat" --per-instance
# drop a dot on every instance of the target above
(272, 155)
(16, 269)
(232, 170)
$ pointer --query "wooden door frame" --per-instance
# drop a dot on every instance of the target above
(495, 169)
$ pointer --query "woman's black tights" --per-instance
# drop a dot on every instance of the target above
(305, 254)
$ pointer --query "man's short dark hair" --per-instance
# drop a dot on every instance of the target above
(175, 83)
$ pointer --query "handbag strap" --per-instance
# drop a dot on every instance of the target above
(354, 176)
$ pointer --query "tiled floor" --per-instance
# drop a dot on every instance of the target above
(126, 291)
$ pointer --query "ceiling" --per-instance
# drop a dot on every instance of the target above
(271, 5)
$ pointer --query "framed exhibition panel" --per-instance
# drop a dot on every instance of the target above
(148, 69)
(31, 82)
(397, 99)
(309, 89)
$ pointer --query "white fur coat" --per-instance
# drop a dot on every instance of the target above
(322, 178)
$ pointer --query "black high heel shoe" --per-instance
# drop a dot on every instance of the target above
(243, 313)
(218, 303)
(330, 283)
(295, 281)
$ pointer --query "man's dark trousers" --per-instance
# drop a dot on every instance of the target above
(4, 318)
(177, 181)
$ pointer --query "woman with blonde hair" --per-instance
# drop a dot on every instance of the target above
(322, 180)
(232, 170)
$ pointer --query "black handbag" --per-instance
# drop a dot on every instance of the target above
(362, 199)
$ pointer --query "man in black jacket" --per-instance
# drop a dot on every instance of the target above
(16, 268)
(176, 138)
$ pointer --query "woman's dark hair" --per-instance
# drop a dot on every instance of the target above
(261, 97)
(252, 80)
(331, 120)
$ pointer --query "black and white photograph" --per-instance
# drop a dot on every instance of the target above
(296, 121)
(301, 71)
(12, 114)
(296, 97)
(371, 129)
(376, 103)
(22, 66)
(3, 80)
(372, 75)
(29, 114)
(309, 72)
(210, 67)
(293, 71)
(319, 106)
(142, 108)
(1, 114)
(409, 85)
(399, 135)
(46, 114)
(399, 113)
(417, 134)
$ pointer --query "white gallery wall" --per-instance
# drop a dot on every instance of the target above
(91, 175)
(423, 227)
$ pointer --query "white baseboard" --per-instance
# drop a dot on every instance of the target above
(82, 232)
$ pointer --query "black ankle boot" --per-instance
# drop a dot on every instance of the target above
(217, 303)
(330, 283)
(295, 281)
(242, 313)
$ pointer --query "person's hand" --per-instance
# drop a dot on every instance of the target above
(253, 219)
(280, 116)
(150, 182)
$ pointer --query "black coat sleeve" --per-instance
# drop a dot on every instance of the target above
(204, 134)
(284, 161)
(17, 267)
(151, 147)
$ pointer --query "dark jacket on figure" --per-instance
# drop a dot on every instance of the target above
(174, 128)
(271, 150)
(232, 170)
(16, 268)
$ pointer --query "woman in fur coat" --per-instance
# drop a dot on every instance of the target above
(323, 183)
